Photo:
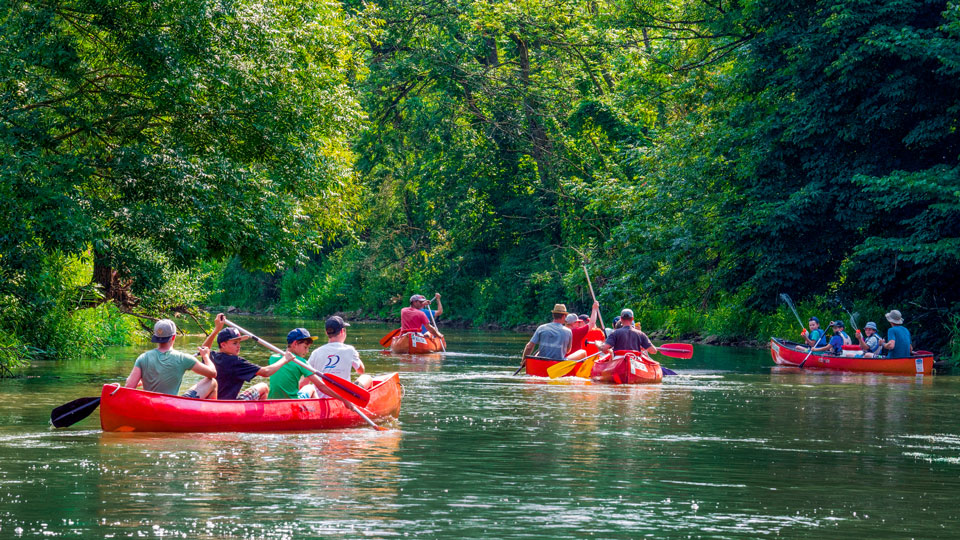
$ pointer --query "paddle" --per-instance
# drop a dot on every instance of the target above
(73, 412)
(587, 366)
(350, 394)
(385, 340)
(676, 350)
(434, 322)
(523, 364)
(562, 368)
(594, 297)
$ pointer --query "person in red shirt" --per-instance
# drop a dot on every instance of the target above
(581, 325)
(413, 319)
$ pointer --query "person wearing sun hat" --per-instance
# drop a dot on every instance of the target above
(872, 345)
(898, 337)
(293, 381)
(161, 369)
(553, 338)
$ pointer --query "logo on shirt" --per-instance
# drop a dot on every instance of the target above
(332, 361)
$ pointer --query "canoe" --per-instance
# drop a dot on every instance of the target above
(416, 343)
(628, 367)
(625, 367)
(128, 409)
(788, 353)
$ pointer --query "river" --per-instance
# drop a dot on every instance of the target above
(729, 448)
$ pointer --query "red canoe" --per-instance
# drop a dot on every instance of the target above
(127, 409)
(416, 343)
(628, 367)
(788, 353)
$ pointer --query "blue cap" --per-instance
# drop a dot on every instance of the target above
(837, 323)
(616, 319)
(227, 334)
(297, 334)
(815, 320)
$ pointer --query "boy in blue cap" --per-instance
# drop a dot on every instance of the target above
(233, 370)
(291, 380)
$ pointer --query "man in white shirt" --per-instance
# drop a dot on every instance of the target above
(336, 357)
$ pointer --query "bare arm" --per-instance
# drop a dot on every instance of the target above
(217, 327)
(593, 314)
(267, 371)
(439, 310)
(205, 366)
(134, 378)
(528, 349)
(433, 330)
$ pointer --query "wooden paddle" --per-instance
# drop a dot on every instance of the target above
(69, 414)
(352, 399)
(434, 321)
(385, 340)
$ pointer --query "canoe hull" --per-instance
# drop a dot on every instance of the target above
(127, 409)
(537, 367)
(414, 343)
(785, 353)
(628, 367)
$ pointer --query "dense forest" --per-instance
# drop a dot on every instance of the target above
(699, 157)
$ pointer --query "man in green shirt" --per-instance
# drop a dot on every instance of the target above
(291, 380)
(161, 370)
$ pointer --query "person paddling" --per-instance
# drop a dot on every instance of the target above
(413, 319)
(580, 325)
(627, 337)
(233, 370)
(872, 345)
(898, 337)
(816, 337)
(293, 381)
(336, 357)
(161, 370)
(836, 341)
(553, 338)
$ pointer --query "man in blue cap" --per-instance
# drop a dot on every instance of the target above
(293, 381)
(233, 370)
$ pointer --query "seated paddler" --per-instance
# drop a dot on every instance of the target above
(233, 370)
(553, 338)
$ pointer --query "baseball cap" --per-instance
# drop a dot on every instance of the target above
(163, 330)
(584, 318)
(627, 313)
(838, 323)
(336, 323)
(299, 333)
(414, 298)
(571, 318)
(227, 334)
(814, 319)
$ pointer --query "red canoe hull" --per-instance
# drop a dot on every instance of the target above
(413, 343)
(127, 409)
(786, 353)
(538, 367)
(628, 367)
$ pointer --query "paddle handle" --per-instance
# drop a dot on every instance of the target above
(594, 296)
(332, 394)
(434, 321)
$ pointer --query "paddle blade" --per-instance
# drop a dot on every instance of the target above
(676, 350)
(561, 368)
(385, 340)
(667, 371)
(73, 412)
(347, 390)
(586, 367)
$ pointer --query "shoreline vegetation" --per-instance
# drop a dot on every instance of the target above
(699, 158)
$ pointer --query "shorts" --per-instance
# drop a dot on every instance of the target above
(250, 394)
(191, 393)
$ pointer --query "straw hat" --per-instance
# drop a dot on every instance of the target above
(559, 309)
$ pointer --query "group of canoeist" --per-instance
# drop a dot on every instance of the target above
(225, 371)
(564, 337)
(898, 340)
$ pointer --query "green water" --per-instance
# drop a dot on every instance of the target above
(729, 449)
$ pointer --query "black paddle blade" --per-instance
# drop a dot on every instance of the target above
(73, 412)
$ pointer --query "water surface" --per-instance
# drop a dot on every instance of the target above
(730, 448)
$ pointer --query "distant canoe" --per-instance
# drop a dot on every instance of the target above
(788, 353)
(128, 409)
(416, 343)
